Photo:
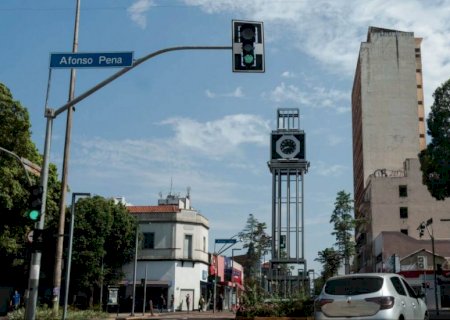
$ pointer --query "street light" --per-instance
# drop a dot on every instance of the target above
(69, 258)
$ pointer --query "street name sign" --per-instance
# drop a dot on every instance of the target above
(226, 240)
(91, 60)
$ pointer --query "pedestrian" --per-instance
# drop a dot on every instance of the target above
(162, 303)
(188, 302)
(220, 303)
(201, 303)
(172, 303)
(15, 300)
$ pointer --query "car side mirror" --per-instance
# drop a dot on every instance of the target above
(420, 295)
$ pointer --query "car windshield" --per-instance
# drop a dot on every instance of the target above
(353, 285)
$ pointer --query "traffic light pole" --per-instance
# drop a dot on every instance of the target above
(51, 114)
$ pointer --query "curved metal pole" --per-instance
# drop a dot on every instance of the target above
(125, 70)
(20, 160)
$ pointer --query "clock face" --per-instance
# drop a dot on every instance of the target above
(288, 146)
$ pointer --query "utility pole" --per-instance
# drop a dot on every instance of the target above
(65, 172)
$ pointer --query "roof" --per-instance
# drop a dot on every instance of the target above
(154, 209)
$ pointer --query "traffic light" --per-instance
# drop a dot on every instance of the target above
(421, 229)
(248, 46)
(283, 241)
(35, 203)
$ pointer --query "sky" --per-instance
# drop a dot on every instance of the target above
(185, 120)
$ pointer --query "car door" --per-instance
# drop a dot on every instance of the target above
(402, 296)
(413, 301)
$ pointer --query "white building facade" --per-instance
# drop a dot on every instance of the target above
(172, 256)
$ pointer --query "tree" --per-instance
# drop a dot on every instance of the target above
(435, 159)
(257, 241)
(15, 136)
(343, 226)
(104, 233)
(331, 262)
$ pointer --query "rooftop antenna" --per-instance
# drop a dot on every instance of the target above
(171, 182)
(188, 192)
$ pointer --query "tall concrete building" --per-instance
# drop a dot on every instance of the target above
(387, 115)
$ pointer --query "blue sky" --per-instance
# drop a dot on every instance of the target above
(185, 117)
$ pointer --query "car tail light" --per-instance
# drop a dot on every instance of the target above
(384, 302)
(319, 303)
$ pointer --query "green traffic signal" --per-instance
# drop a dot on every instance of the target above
(248, 59)
(33, 214)
(35, 202)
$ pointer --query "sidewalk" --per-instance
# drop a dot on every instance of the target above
(224, 315)
(443, 314)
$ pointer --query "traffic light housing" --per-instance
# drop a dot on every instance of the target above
(421, 230)
(248, 46)
(35, 203)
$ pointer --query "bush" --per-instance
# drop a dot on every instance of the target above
(278, 308)
(45, 313)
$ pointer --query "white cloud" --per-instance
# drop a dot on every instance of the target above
(314, 97)
(291, 93)
(137, 12)
(220, 137)
(328, 170)
(331, 31)
(237, 93)
(288, 74)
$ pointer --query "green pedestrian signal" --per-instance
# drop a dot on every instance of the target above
(35, 202)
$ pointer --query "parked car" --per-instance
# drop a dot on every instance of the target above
(369, 296)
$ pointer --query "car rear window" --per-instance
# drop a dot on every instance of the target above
(353, 285)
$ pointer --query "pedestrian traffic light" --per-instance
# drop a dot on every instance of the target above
(248, 46)
(35, 203)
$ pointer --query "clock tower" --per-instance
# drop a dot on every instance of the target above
(288, 166)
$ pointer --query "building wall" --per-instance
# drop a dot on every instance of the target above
(382, 210)
(385, 105)
(169, 270)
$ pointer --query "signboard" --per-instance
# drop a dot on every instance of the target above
(91, 60)
(226, 240)
(113, 296)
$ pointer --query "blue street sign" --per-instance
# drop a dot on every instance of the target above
(226, 240)
(91, 60)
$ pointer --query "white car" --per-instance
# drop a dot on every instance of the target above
(369, 296)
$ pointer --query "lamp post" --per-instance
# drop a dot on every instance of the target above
(69, 258)
(135, 269)
(424, 225)
(232, 277)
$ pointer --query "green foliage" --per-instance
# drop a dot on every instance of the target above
(343, 226)
(46, 313)
(257, 241)
(331, 261)
(293, 307)
(103, 231)
(435, 159)
(15, 136)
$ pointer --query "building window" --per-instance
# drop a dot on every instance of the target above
(204, 244)
(422, 135)
(149, 240)
(419, 86)
(420, 118)
(420, 102)
(404, 231)
(418, 70)
(187, 248)
(417, 49)
(403, 191)
(403, 212)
